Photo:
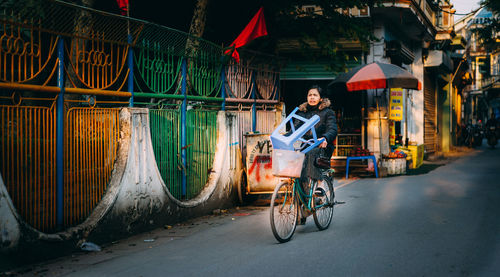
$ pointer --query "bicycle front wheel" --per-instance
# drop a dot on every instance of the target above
(284, 212)
(323, 201)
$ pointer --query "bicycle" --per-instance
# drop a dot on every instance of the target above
(286, 200)
(288, 195)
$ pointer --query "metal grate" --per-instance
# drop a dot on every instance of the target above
(165, 130)
(201, 140)
(201, 131)
(27, 161)
(91, 143)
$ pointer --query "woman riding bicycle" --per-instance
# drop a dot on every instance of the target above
(326, 128)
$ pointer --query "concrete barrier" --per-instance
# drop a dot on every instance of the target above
(136, 199)
(9, 226)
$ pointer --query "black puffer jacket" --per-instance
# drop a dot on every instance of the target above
(326, 127)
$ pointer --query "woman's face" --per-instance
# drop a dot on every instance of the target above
(313, 97)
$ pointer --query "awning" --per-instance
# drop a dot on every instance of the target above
(458, 42)
(440, 60)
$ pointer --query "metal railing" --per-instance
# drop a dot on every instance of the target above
(64, 72)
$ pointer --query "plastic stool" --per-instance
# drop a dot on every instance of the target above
(348, 159)
(280, 141)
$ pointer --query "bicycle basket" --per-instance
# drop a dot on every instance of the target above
(287, 163)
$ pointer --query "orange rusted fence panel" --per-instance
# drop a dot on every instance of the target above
(27, 162)
(91, 143)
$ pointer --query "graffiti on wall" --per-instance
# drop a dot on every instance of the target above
(259, 163)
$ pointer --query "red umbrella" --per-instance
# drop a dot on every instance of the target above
(374, 76)
(377, 75)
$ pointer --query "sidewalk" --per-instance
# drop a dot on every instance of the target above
(81, 259)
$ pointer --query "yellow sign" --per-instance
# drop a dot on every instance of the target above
(392, 133)
(396, 104)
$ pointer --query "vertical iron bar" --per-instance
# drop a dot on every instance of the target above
(254, 105)
(183, 127)
(223, 87)
(131, 71)
(60, 134)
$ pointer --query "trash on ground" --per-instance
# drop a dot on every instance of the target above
(149, 240)
(89, 246)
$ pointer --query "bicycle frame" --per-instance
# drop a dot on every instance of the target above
(301, 195)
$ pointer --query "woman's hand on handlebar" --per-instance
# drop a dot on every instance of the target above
(324, 143)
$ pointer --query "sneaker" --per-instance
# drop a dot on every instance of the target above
(318, 201)
(305, 212)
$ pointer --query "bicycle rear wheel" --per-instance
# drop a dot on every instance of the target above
(323, 201)
(284, 211)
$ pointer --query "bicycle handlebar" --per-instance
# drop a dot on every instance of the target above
(313, 143)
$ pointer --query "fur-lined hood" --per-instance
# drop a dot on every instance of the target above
(325, 103)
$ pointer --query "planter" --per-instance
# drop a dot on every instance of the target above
(395, 166)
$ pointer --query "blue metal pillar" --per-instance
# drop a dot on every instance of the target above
(60, 135)
(130, 62)
(254, 105)
(183, 127)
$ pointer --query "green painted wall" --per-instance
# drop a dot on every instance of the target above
(444, 116)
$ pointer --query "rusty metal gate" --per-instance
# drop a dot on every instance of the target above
(430, 119)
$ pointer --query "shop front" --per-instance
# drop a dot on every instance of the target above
(371, 122)
(380, 123)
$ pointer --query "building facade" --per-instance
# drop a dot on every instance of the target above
(417, 36)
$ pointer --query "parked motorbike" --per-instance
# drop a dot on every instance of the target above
(474, 136)
(491, 136)
(477, 134)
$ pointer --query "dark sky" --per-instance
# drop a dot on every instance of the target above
(225, 18)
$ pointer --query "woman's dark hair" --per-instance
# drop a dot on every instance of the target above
(317, 87)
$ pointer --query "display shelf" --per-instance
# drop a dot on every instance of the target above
(346, 144)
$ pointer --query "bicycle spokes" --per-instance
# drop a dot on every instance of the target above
(283, 212)
(323, 204)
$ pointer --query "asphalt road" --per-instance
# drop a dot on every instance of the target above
(442, 223)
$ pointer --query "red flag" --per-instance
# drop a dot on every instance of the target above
(123, 6)
(255, 28)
